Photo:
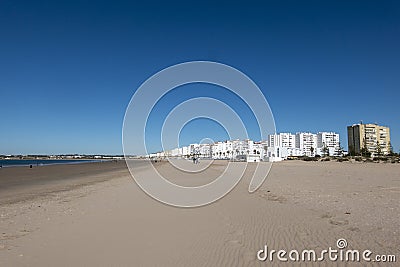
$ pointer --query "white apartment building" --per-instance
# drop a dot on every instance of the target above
(218, 150)
(175, 152)
(283, 145)
(235, 148)
(280, 146)
(327, 142)
(279, 153)
(184, 151)
(282, 140)
(205, 150)
(257, 152)
(307, 143)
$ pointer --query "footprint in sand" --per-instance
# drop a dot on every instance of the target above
(333, 220)
(326, 216)
(273, 197)
(354, 229)
(339, 222)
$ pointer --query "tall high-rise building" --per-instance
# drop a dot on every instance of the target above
(371, 138)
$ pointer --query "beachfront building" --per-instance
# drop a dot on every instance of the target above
(279, 153)
(175, 152)
(307, 143)
(281, 146)
(194, 149)
(328, 144)
(238, 150)
(199, 150)
(284, 145)
(184, 152)
(218, 150)
(368, 138)
(257, 153)
(205, 150)
(282, 140)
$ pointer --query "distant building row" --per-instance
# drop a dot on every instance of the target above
(278, 147)
(284, 145)
(232, 149)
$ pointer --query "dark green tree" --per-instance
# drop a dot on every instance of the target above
(340, 150)
(378, 148)
(325, 150)
(312, 150)
(364, 150)
(390, 149)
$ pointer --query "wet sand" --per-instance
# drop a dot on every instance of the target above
(23, 183)
(97, 216)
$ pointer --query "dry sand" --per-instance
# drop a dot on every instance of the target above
(95, 215)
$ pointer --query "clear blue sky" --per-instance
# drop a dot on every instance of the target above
(69, 68)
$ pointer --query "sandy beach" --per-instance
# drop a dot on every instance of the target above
(94, 214)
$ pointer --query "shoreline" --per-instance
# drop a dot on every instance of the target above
(24, 183)
(59, 162)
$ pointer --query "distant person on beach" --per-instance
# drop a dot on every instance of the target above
(194, 160)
